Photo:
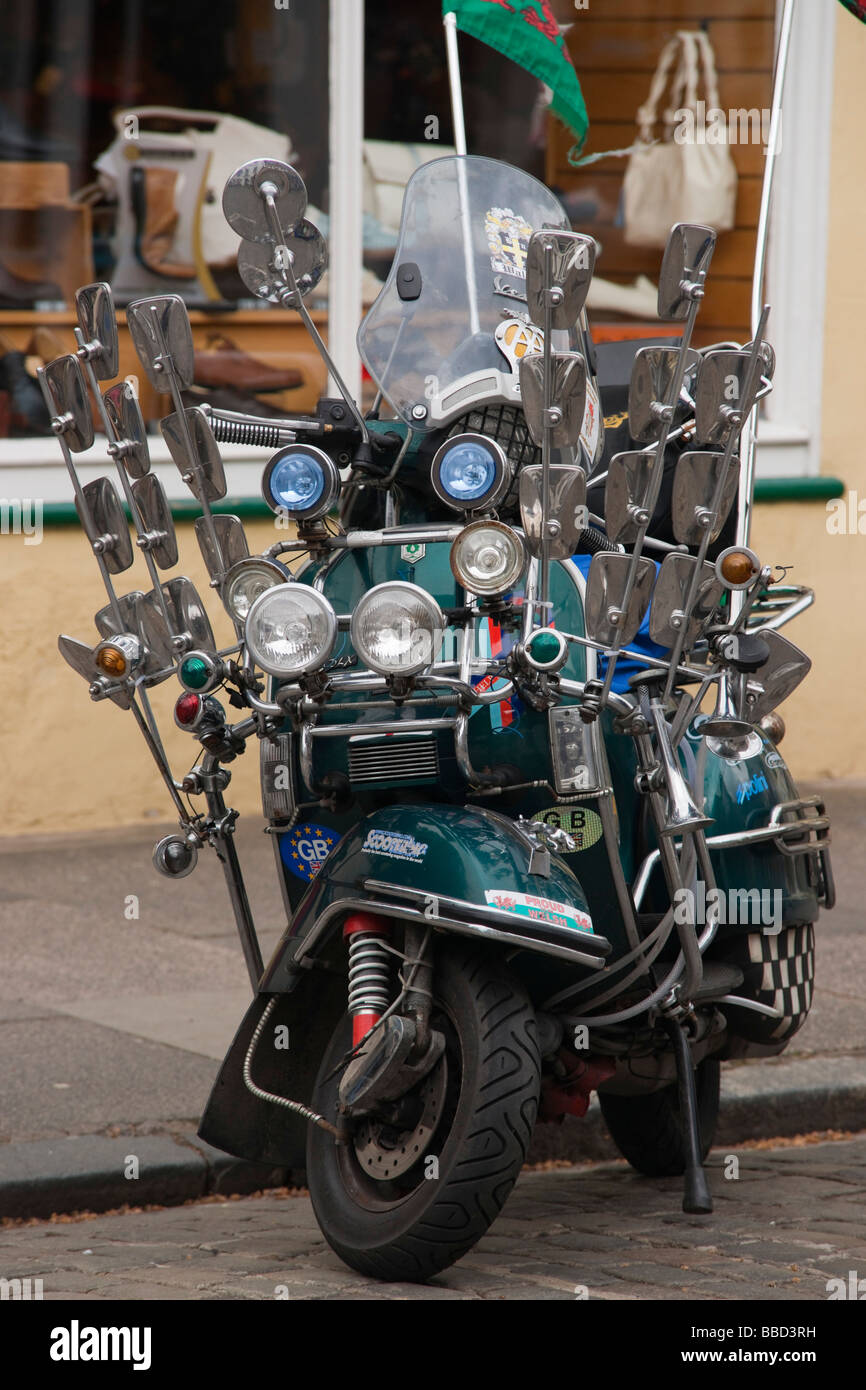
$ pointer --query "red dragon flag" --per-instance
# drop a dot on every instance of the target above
(526, 31)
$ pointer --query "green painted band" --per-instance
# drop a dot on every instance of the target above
(247, 508)
(797, 489)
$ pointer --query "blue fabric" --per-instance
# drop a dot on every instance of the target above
(625, 666)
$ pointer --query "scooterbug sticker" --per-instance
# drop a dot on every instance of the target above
(306, 848)
(535, 909)
(583, 825)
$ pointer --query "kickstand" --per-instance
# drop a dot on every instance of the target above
(696, 1193)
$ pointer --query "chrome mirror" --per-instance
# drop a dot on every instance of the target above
(82, 660)
(607, 621)
(625, 495)
(106, 624)
(695, 481)
(231, 539)
(159, 327)
(96, 319)
(568, 514)
(105, 524)
(124, 412)
(572, 261)
(686, 260)
(246, 194)
(68, 402)
(567, 394)
(652, 373)
(723, 397)
(189, 620)
(668, 616)
(777, 678)
(157, 523)
(194, 449)
(260, 266)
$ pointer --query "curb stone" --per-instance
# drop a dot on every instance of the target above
(763, 1100)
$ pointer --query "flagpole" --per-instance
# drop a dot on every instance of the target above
(450, 23)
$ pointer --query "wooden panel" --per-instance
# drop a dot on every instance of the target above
(678, 10)
(727, 301)
(617, 97)
(602, 194)
(610, 135)
(733, 255)
(739, 44)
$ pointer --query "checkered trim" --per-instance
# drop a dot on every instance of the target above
(787, 972)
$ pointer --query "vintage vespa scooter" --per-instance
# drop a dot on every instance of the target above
(508, 835)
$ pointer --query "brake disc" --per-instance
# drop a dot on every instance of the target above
(386, 1159)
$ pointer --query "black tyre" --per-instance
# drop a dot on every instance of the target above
(648, 1130)
(383, 1204)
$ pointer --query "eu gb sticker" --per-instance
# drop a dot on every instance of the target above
(307, 847)
(539, 909)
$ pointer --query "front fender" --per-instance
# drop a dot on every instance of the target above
(442, 854)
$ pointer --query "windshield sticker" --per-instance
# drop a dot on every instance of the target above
(394, 845)
(516, 339)
(583, 825)
(305, 850)
(508, 236)
(539, 909)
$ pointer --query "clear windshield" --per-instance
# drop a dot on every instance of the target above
(465, 227)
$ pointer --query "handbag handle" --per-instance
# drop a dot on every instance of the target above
(693, 49)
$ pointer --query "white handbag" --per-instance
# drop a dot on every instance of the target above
(689, 176)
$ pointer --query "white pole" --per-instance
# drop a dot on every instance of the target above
(450, 22)
(345, 176)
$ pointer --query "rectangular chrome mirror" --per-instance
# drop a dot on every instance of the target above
(94, 307)
(162, 337)
(606, 619)
(723, 396)
(156, 519)
(104, 521)
(668, 616)
(192, 629)
(652, 375)
(124, 412)
(568, 515)
(625, 495)
(778, 677)
(231, 538)
(200, 465)
(685, 263)
(567, 394)
(106, 625)
(571, 260)
(67, 401)
(695, 482)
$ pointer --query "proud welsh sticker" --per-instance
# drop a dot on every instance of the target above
(538, 909)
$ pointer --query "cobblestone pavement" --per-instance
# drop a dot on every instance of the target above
(793, 1219)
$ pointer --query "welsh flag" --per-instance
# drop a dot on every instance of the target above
(527, 32)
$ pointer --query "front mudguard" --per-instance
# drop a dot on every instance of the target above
(439, 865)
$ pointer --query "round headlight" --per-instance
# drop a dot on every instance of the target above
(397, 629)
(290, 629)
(470, 471)
(246, 580)
(301, 480)
(487, 557)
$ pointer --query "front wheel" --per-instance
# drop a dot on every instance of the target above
(648, 1130)
(404, 1203)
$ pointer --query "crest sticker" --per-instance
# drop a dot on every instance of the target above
(508, 236)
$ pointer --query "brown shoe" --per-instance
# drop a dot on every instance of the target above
(223, 363)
